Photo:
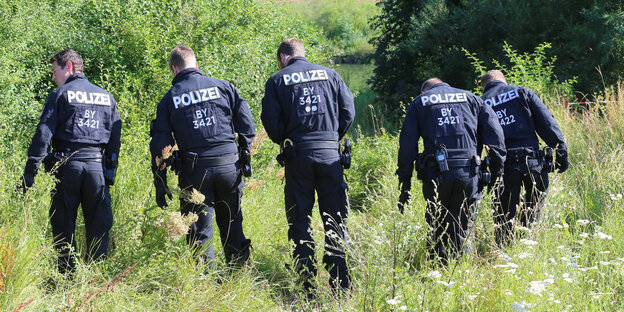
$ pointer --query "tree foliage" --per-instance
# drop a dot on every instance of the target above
(126, 45)
(421, 39)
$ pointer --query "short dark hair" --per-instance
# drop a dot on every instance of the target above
(68, 55)
(429, 83)
(492, 75)
(181, 56)
(292, 47)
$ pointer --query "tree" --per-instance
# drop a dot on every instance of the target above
(422, 39)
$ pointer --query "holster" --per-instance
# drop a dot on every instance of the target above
(244, 158)
(110, 168)
(287, 152)
(176, 162)
(345, 155)
(51, 161)
(547, 154)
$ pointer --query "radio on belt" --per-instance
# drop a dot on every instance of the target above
(440, 156)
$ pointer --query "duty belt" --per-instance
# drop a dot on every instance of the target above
(317, 145)
(79, 156)
(193, 160)
(521, 154)
(458, 163)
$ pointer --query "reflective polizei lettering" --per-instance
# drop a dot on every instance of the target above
(83, 97)
(443, 98)
(196, 96)
(307, 76)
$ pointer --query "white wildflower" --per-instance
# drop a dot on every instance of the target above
(604, 263)
(582, 222)
(584, 235)
(449, 284)
(558, 226)
(615, 196)
(402, 308)
(523, 228)
(512, 271)
(604, 252)
(588, 268)
(537, 287)
(434, 274)
(520, 306)
(603, 235)
(507, 265)
(528, 242)
(393, 301)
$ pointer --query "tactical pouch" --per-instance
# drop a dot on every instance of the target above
(244, 158)
(176, 162)
(51, 160)
(110, 169)
(420, 164)
(548, 159)
(345, 156)
(485, 177)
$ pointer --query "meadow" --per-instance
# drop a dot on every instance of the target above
(573, 260)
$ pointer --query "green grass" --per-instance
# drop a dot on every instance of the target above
(571, 266)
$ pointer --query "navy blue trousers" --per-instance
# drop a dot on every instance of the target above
(80, 183)
(451, 199)
(317, 170)
(222, 187)
(530, 176)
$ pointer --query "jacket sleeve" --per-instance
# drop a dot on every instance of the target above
(271, 115)
(40, 145)
(346, 108)
(408, 145)
(490, 133)
(545, 124)
(242, 119)
(161, 129)
(114, 142)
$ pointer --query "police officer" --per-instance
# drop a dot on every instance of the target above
(521, 114)
(454, 124)
(307, 109)
(82, 123)
(204, 115)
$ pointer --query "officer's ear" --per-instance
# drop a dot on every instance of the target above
(196, 64)
(70, 67)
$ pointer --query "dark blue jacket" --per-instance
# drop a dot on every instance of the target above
(203, 114)
(306, 102)
(77, 116)
(454, 118)
(521, 114)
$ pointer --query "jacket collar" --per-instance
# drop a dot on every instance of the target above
(186, 72)
(74, 77)
(492, 84)
(296, 59)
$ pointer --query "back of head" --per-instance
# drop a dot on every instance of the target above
(68, 55)
(492, 75)
(292, 47)
(182, 57)
(429, 83)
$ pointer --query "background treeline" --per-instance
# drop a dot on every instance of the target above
(344, 23)
(422, 39)
(572, 261)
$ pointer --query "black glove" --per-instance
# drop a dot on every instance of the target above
(405, 187)
(561, 160)
(403, 199)
(162, 190)
(26, 181)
